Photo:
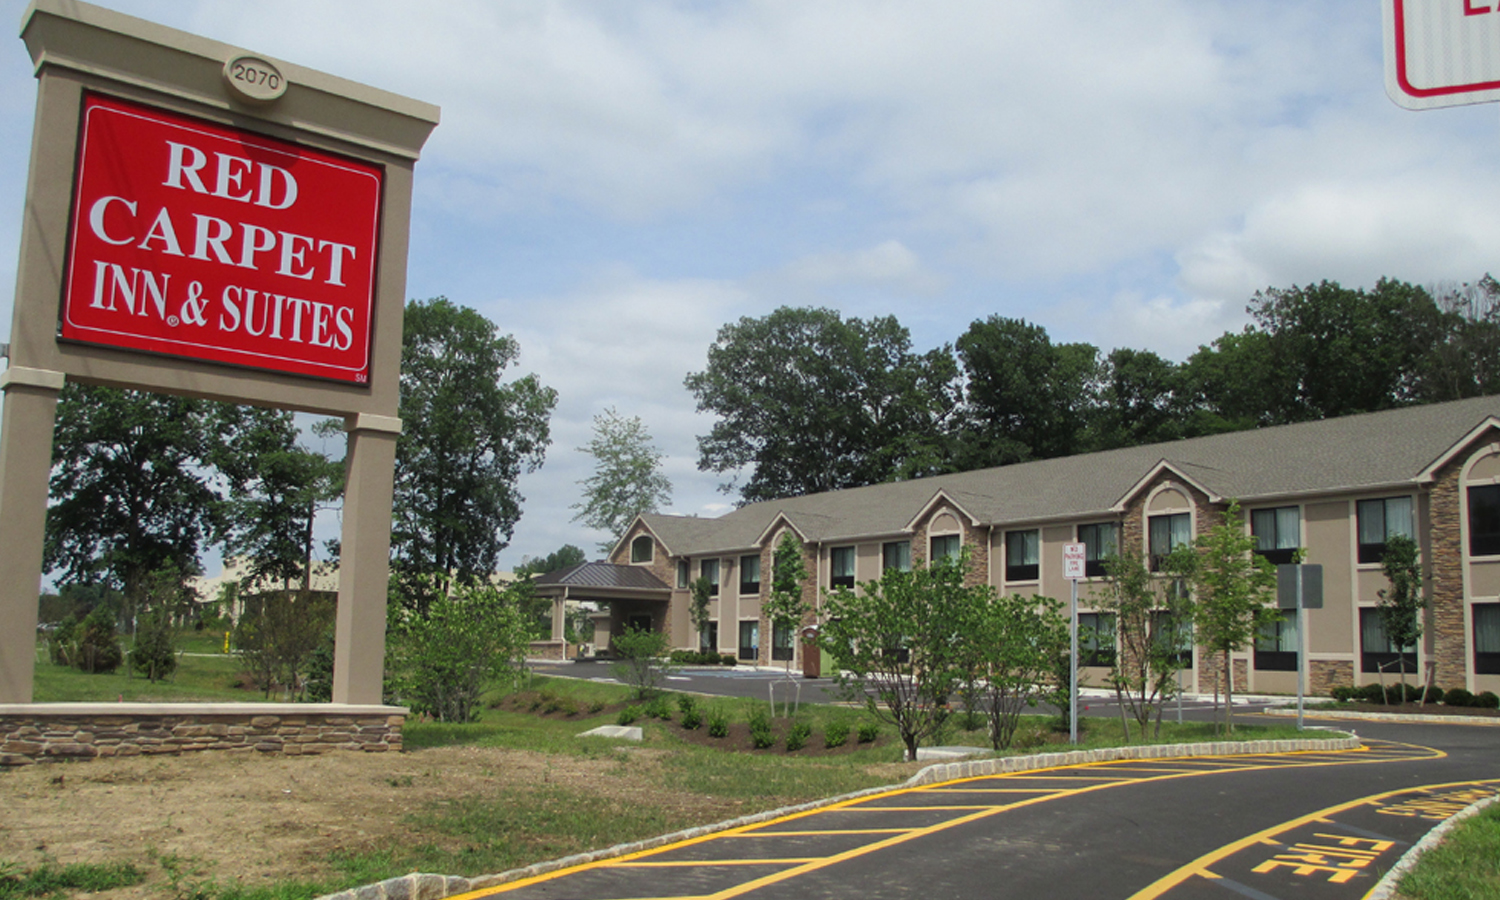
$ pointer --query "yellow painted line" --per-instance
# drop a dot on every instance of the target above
(1200, 865)
(881, 809)
(758, 834)
(1035, 790)
(710, 863)
(896, 838)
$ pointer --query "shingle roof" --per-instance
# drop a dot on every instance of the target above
(1351, 453)
(604, 575)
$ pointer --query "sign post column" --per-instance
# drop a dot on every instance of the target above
(30, 406)
(1074, 564)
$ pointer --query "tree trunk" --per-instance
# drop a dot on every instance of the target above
(1228, 694)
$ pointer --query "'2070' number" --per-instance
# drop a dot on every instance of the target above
(253, 75)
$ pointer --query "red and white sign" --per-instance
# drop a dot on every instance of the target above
(1442, 52)
(192, 239)
(1073, 561)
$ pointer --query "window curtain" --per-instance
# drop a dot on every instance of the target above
(1487, 628)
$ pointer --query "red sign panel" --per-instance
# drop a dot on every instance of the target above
(192, 239)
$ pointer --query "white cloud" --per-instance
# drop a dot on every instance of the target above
(889, 265)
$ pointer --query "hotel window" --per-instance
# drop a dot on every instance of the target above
(1096, 639)
(1167, 533)
(1100, 542)
(708, 638)
(682, 573)
(1277, 532)
(781, 641)
(1379, 520)
(709, 568)
(896, 555)
(1173, 637)
(841, 567)
(1376, 653)
(749, 574)
(1484, 520)
(1022, 555)
(1486, 638)
(640, 549)
(1276, 644)
(749, 640)
(944, 546)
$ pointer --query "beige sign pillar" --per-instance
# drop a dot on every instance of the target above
(291, 121)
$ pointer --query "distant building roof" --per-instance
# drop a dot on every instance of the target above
(1362, 452)
(603, 575)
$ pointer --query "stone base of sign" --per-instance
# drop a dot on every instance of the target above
(34, 732)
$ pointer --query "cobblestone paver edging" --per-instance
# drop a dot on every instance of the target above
(420, 886)
(1386, 887)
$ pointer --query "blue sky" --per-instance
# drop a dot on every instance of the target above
(612, 182)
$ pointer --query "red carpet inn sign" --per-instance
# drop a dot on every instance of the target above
(208, 223)
(220, 244)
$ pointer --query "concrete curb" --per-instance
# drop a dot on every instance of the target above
(420, 886)
(1386, 887)
(1356, 715)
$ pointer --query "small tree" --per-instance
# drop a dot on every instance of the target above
(1145, 664)
(278, 636)
(641, 665)
(896, 642)
(701, 591)
(97, 648)
(1235, 590)
(471, 639)
(785, 606)
(1017, 641)
(154, 652)
(1401, 604)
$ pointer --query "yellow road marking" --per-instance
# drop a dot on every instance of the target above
(756, 834)
(710, 863)
(1200, 865)
(903, 835)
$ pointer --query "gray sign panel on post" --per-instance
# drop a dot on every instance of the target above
(1311, 577)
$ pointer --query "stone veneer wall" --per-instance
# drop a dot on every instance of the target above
(34, 732)
(1323, 675)
(1449, 650)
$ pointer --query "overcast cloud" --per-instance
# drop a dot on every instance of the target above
(613, 182)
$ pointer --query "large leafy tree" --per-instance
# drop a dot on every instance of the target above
(809, 401)
(1027, 398)
(466, 437)
(1151, 610)
(130, 487)
(279, 485)
(627, 479)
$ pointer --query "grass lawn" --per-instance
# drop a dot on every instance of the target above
(205, 673)
(1466, 866)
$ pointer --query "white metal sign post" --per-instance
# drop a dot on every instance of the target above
(1073, 570)
(1441, 52)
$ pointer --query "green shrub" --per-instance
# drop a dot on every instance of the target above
(659, 707)
(1372, 693)
(686, 703)
(154, 653)
(99, 648)
(1344, 693)
(728, 659)
(692, 719)
(628, 714)
(718, 723)
(796, 739)
(868, 732)
(1487, 700)
(640, 665)
(569, 707)
(596, 706)
(836, 733)
(1433, 694)
(1458, 697)
(761, 736)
